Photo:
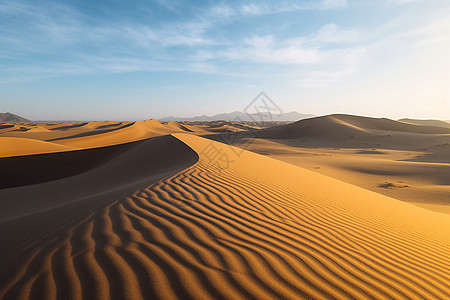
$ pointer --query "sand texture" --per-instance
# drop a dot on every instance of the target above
(151, 210)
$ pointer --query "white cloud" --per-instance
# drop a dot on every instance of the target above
(306, 50)
(327, 34)
(169, 4)
(251, 9)
(333, 4)
(397, 2)
(323, 78)
(221, 10)
(332, 34)
(264, 50)
(268, 7)
(128, 48)
(182, 34)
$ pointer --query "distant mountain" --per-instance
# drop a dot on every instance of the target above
(241, 116)
(436, 123)
(11, 118)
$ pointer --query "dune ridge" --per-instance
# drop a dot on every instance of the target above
(256, 228)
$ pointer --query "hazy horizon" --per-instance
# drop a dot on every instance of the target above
(102, 60)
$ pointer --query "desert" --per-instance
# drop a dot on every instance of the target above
(156, 210)
(239, 149)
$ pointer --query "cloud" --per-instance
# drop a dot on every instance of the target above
(178, 34)
(326, 56)
(102, 46)
(303, 50)
(327, 34)
(332, 4)
(324, 78)
(398, 2)
(263, 49)
(221, 10)
(168, 4)
(269, 7)
(58, 39)
(121, 47)
(252, 9)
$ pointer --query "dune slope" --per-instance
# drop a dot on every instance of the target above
(236, 225)
(14, 146)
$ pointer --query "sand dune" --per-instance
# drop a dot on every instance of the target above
(4, 126)
(38, 129)
(390, 125)
(436, 123)
(344, 126)
(12, 146)
(160, 221)
(123, 134)
(126, 133)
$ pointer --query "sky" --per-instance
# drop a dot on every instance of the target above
(130, 60)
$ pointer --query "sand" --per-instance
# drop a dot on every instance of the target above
(11, 146)
(137, 213)
(368, 153)
(427, 182)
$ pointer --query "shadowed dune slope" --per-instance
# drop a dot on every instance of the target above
(236, 225)
(32, 169)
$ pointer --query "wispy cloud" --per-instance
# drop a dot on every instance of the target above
(332, 4)
(263, 8)
(30, 28)
(324, 78)
(397, 2)
(308, 49)
(58, 39)
(324, 57)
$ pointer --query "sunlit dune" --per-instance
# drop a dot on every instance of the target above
(12, 146)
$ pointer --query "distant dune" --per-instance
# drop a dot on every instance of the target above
(155, 210)
(436, 123)
(345, 125)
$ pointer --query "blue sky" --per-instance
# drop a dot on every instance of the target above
(97, 60)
